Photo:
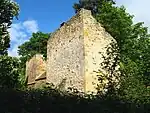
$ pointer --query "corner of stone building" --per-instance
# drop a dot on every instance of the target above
(85, 12)
(94, 39)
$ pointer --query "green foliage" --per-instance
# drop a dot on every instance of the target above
(8, 65)
(89, 4)
(36, 44)
(134, 90)
(9, 72)
(8, 10)
(53, 101)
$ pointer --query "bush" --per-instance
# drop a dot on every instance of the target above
(9, 71)
(54, 101)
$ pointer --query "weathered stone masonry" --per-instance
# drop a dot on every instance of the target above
(36, 71)
(66, 54)
(73, 52)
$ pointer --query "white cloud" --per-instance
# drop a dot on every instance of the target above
(17, 32)
(20, 33)
(31, 26)
(138, 8)
(13, 51)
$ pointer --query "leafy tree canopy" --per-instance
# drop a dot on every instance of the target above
(36, 44)
(8, 65)
(8, 10)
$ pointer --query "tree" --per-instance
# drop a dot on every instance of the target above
(8, 10)
(90, 5)
(9, 74)
(8, 65)
(36, 44)
(133, 43)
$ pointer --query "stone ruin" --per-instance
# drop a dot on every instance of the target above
(73, 55)
(36, 71)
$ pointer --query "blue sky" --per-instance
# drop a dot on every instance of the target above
(47, 15)
(38, 15)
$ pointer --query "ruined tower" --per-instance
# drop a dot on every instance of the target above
(73, 52)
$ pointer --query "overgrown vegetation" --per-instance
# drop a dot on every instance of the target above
(9, 74)
(53, 101)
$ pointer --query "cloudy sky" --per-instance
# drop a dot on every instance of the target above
(139, 8)
(47, 15)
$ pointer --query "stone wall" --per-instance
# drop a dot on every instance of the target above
(96, 41)
(35, 70)
(65, 55)
(74, 52)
